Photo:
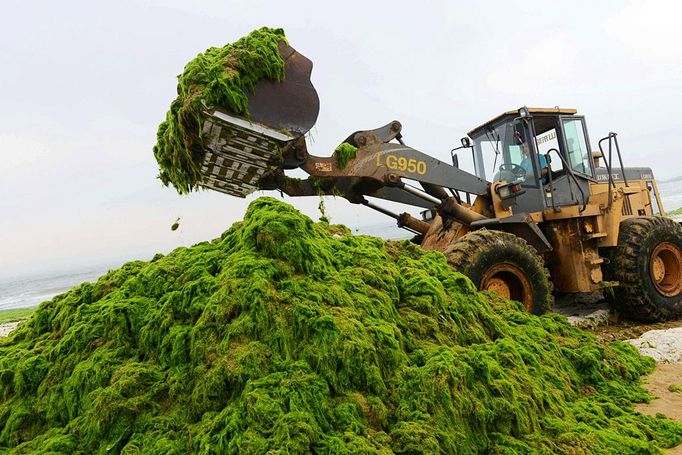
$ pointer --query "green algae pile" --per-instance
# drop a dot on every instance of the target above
(290, 336)
(221, 76)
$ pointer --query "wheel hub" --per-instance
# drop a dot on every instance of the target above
(498, 285)
(510, 282)
(666, 269)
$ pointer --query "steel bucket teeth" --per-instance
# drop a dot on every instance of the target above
(238, 153)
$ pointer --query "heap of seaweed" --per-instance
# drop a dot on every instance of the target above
(289, 336)
(221, 76)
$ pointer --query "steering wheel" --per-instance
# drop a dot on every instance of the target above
(515, 169)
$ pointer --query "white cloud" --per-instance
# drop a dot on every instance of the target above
(651, 29)
(20, 154)
(529, 70)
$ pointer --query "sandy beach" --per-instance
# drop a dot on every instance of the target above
(6, 328)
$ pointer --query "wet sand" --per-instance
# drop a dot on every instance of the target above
(7, 327)
(666, 402)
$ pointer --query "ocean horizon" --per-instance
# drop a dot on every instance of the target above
(28, 292)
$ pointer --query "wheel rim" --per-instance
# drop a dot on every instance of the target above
(510, 282)
(666, 269)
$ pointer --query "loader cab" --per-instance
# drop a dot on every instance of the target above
(545, 150)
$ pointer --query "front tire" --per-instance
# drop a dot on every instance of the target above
(648, 265)
(503, 263)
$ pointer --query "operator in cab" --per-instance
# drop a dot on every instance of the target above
(527, 163)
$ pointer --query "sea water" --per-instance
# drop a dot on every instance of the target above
(29, 291)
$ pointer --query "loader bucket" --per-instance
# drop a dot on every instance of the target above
(240, 151)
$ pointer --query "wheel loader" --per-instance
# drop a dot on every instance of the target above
(541, 214)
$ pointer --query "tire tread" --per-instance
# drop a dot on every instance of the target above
(631, 297)
(464, 254)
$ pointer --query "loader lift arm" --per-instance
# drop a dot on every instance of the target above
(378, 170)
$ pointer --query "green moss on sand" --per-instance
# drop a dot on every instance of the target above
(15, 314)
(221, 76)
(344, 153)
(285, 336)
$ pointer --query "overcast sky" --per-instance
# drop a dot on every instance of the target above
(85, 85)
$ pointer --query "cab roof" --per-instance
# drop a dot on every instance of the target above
(514, 114)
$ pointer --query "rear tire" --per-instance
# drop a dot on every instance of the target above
(648, 265)
(503, 263)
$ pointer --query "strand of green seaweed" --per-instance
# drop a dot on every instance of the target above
(289, 336)
(344, 153)
(220, 76)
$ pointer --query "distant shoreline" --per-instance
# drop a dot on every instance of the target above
(32, 291)
(16, 314)
(672, 180)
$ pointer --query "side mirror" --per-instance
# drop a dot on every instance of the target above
(466, 143)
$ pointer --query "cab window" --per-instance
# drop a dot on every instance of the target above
(503, 153)
(547, 144)
(578, 154)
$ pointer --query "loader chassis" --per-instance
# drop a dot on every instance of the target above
(570, 207)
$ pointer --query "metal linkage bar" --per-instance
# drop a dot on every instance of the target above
(404, 220)
(381, 210)
(421, 194)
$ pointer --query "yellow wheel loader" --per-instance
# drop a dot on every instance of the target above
(541, 213)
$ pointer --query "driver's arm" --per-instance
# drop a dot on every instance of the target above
(528, 167)
(544, 166)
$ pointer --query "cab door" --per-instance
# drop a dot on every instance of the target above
(522, 136)
(571, 185)
(576, 145)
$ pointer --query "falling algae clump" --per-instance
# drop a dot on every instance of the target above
(221, 76)
(289, 336)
